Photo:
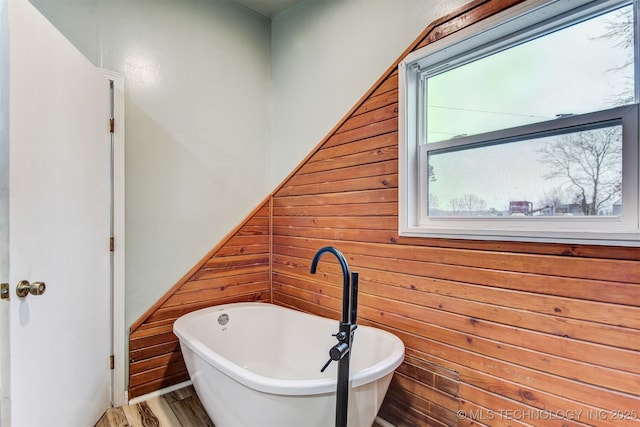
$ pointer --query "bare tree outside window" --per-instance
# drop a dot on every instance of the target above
(473, 204)
(590, 164)
(455, 205)
(619, 32)
(552, 197)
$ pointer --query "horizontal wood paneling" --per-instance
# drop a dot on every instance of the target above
(496, 333)
(527, 327)
(427, 389)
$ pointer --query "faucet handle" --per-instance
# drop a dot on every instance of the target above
(341, 336)
(336, 353)
(325, 365)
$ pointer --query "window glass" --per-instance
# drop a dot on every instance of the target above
(575, 173)
(579, 69)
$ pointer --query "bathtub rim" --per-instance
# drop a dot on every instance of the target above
(281, 386)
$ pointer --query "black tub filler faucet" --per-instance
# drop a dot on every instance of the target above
(341, 351)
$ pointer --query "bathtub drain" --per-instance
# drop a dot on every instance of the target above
(223, 319)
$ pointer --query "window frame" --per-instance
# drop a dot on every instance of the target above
(516, 25)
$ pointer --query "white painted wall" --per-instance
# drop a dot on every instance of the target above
(326, 55)
(197, 84)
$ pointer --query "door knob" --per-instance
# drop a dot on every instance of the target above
(25, 288)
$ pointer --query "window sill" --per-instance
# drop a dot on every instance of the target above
(579, 237)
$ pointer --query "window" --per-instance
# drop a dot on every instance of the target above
(525, 128)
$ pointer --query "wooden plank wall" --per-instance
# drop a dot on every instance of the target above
(518, 333)
(539, 334)
(236, 270)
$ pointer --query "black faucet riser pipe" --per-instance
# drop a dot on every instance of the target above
(342, 390)
(341, 352)
(354, 297)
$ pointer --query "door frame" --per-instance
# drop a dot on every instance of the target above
(118, 330)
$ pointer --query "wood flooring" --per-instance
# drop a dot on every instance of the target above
(180, 408)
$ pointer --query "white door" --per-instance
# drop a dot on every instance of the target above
(59, 227)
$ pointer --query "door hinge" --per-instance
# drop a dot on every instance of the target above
(4, 291)
(112, 244)
(112, 362)
(112, 125)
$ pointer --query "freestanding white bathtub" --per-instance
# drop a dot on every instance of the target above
(258, 364)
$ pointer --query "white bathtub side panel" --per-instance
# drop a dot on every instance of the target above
(230, 404)
(365, 401)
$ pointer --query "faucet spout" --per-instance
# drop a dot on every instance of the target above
(345, 276)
